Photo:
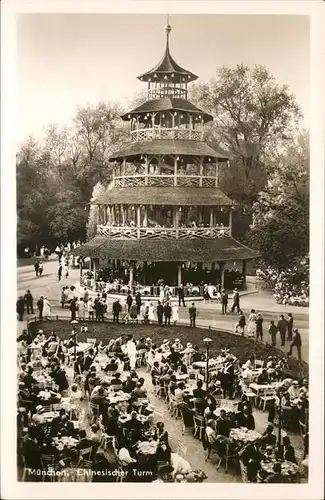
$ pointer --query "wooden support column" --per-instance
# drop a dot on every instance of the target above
(175, 171)
(113, 215)
(230, 220)
(145, 218)
(222, 269)
(138, 221)
(177, 220)
(211, 216)
(131, 275)
(179, 274)
(123, 171)
(191, 125)
(201, 169)
(217, 174)
(94, 271)
(109, 215)
(123, 215)
(146, 168)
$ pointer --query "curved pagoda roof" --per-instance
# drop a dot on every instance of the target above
(167, 104)
(167, 68)
(221, 249)
(167, 147)
(148, 195)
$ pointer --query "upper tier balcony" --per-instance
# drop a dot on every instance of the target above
(164, 181)
(171, 90)
(162, 233)
(148, 134)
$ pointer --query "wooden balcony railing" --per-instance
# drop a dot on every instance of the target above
(164, 180)
(147, 134)
(162, 233)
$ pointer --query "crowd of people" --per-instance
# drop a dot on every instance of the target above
(289, 286)
(86, 407)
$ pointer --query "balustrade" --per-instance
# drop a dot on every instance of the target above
(146, 134)
(181, 180)
(162, 233)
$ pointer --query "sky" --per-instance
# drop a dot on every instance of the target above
(70, 60)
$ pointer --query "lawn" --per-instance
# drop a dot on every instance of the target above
(243, 348)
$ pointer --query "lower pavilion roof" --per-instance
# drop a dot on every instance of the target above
(149, 195)
(221, 249)
(167, 147)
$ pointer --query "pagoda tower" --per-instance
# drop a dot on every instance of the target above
(163, 216)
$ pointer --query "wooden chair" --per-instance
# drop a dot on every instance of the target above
(266, 396)
(199, 426)
(243, 471)
(258, 364)
(85, 455)
(181, 448)
(173, 407)
(251, 396)
(48, 465)
(91, 341)
(95, 411)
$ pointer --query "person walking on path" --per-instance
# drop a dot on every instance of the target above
(138, 301)
(20, 308)
(129, 301)
(168, 313)
(40, 268)
(241, 323)
(224, 302)
(235, 303)
(160, 312)
(28, 298)
(116, 309)
(181, 295)
(192, 314)
(296, 342)
(272, 332)
(36, 267)
(282, 328)
(60, 272)
(259, 327)
(40, 306)
(289, 327)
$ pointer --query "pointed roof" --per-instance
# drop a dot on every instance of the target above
(168, 67)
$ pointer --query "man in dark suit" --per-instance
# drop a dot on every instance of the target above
(268, 438)
(251, 457)
(277, 477)
(224, 302)
(296, 342)
(223, 424)
(245, 419)
(117, 308)
(168, 313)
(181, 295)
(28, 298)
(138, 301)
(160, 312)
(129, 301)
(192, 314)
(282, 328)
(235, 303)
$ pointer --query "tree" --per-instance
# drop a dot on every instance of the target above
(280, 229)
(253, 116)
(98, 190)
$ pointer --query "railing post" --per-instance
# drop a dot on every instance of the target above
(201, 171)
(175, 171)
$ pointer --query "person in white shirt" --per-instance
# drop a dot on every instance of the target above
(90, 307)
(175, 315)
(294, 390)
(178, 347)
(249, 364)
(179, 393)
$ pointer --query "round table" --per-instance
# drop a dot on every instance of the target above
(244, 435)
(287, 468)
(64, 442)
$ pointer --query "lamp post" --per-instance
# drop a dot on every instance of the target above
(207, 342)
(74, 322)
(279, 393)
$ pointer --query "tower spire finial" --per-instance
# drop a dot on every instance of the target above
(168, 29)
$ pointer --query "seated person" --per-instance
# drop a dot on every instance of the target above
(294, 390)
(174, 358)
(99, 398)
(263, 378)
(268, 438)
(197, 356)
(116, 380)
(111, 366)
(179, 393)
(277, 476)
(250, 364)
(84, 441)
(139, 392)
(95, 434)
(141, 345)
(245, 419)
(172, 384)
(65, 427)
(135, 425)
(288, 450)
(244, 401)
(161, 433)
(128, 385)
(223, 424)
(198, 392)
(252, 457)
(268, 453)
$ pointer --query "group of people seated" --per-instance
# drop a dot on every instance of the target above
(289, 286)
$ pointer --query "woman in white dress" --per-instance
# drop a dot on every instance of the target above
(162, 295)
(46, 308)
(142, 314)
(251, 325)
(132, 352)
(151, 315)
(101, 356)
(175, 315)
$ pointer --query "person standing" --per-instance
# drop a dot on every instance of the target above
(138, 301)
(296, 342)
(160, 312)
(192, 314)
(224, 302)
(116, 309)
(251, 327)
(60, 272)
(151, 313)
(168, 313)
(129, 301)
(20, 308)
(282, 328)
(63, 297)
(82, 310)
(73, 308)
(28, 298)
(289, 327)
(97, 307)
(259, 327)
(235, 303)
(36, 267)
(40, 306)
(272, 332)
(90, 307)
(86, 295)
(181, 295)
(175, 315)
(40, 268)
(46, 308)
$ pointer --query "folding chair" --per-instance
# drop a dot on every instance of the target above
(85, 455)
(91, 341)
(266, 396)
(173, 406)
(48, 465)
(181, 448)
(199, 426)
